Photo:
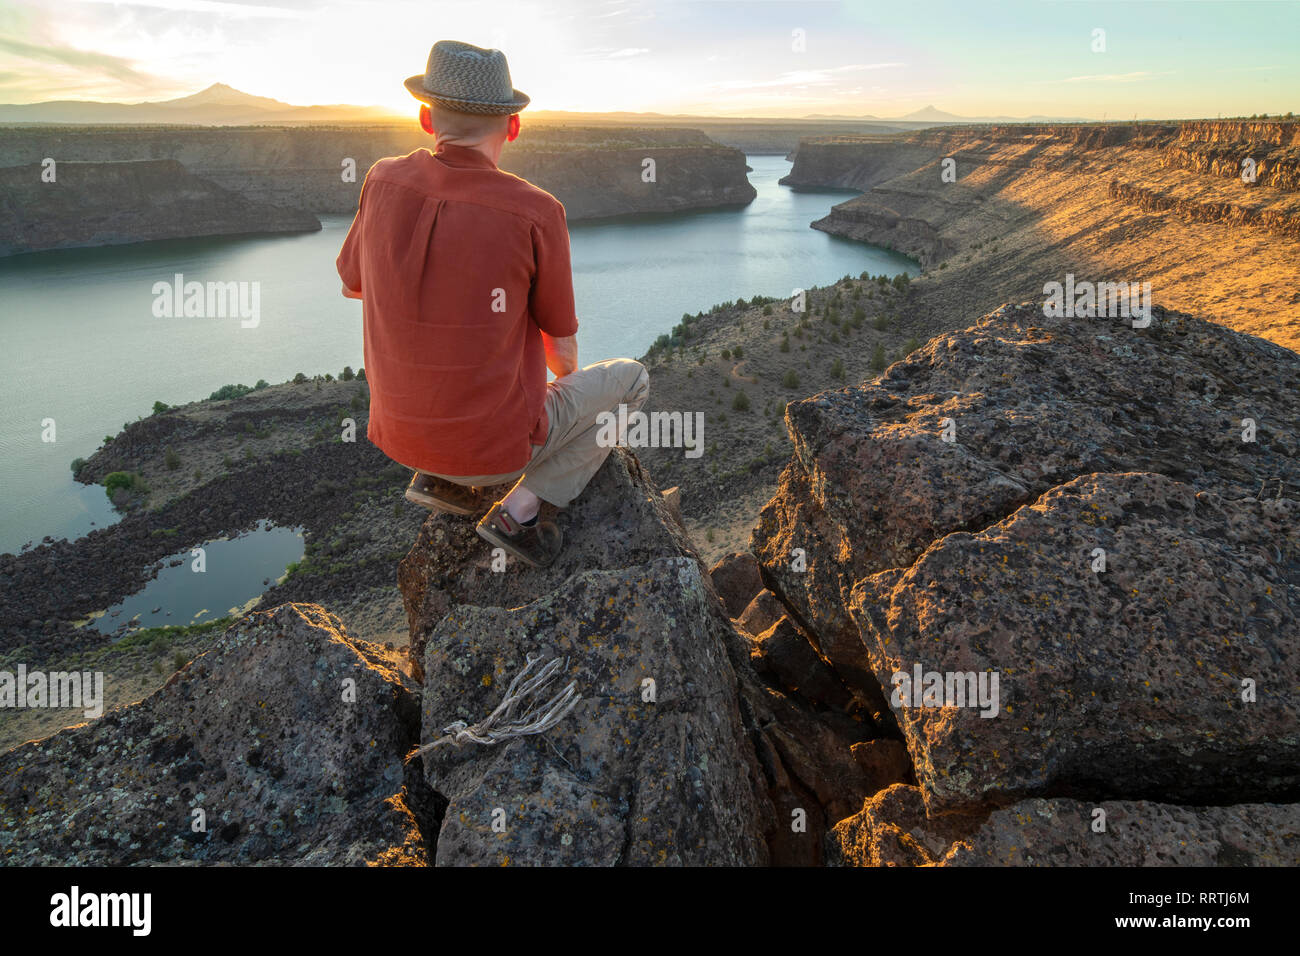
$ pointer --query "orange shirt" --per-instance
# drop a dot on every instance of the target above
(458, 266)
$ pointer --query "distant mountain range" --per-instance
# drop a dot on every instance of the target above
(222, 105)
(930, 114)
(218, 105)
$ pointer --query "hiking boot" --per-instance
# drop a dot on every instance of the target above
(437, 494)
(536, 545)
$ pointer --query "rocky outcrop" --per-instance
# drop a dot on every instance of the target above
(685, 749)
(892, 829)
(1232, 214)
(848, 163)
(97, 204)
(281, 745)
(654, 765)
(1066, 505)
(595, 172)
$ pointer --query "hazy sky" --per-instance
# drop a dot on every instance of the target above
(970, 57)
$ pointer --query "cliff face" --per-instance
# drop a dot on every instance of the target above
(595, 172)
(95, 204)
(1158, 203)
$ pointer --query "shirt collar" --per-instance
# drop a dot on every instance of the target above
(454, 155)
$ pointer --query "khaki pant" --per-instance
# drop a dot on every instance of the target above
(561, 467)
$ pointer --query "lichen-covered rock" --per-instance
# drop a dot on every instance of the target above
(653, 765)
(1030, 402)
(1169, 673)
(287, 736)
(893, 830)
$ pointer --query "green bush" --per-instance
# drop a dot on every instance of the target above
(725, 354)
(78, 464)
(171, 459)
(790, 379)
(738, 352)
(128, 481)
(361, 375)
(740, 403)
(767, 310)
(837, 369)
(299, 378)
(347, 374)
(229, 391)
(261, 384)
(911, 345)
(160, 407)
(881, 321)
(785, 343)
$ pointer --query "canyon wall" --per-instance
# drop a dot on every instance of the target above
(1023, 205)
(97, 204)
(595, 172)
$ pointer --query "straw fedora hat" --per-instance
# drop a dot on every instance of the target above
(467, 79)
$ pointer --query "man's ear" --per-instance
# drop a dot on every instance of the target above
(426, 119)
(512, 130)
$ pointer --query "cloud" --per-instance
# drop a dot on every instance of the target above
(628, 51)
(799, 78)
(87, 60)
(1114, 77)
(219, 7)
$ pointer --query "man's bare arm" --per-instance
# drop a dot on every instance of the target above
(561, 354)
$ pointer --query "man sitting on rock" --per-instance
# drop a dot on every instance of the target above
(467, 298)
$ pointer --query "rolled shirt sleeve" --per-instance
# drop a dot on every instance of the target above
(550, 302)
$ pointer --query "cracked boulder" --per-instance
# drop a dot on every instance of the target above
(1169, 674)
(892, 829)
(1028, 403)
(281, 745)
(652, 767)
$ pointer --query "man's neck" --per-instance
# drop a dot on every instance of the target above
(490, 149)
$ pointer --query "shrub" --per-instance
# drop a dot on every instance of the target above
(361, 375)
(229, 391)
(767, 310)
(299, 378)
(837, 369)
(78, 464)
(740, 403)
(911, 345)
(261, 384)
(738, 352)
(790, 379)
(160, 407)
(171, 459)
(881, 321)
(785, 343)
(726, 382)
(878, 358)
(725, 354)
(126, 482)
(347, 374)
(329, 377)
